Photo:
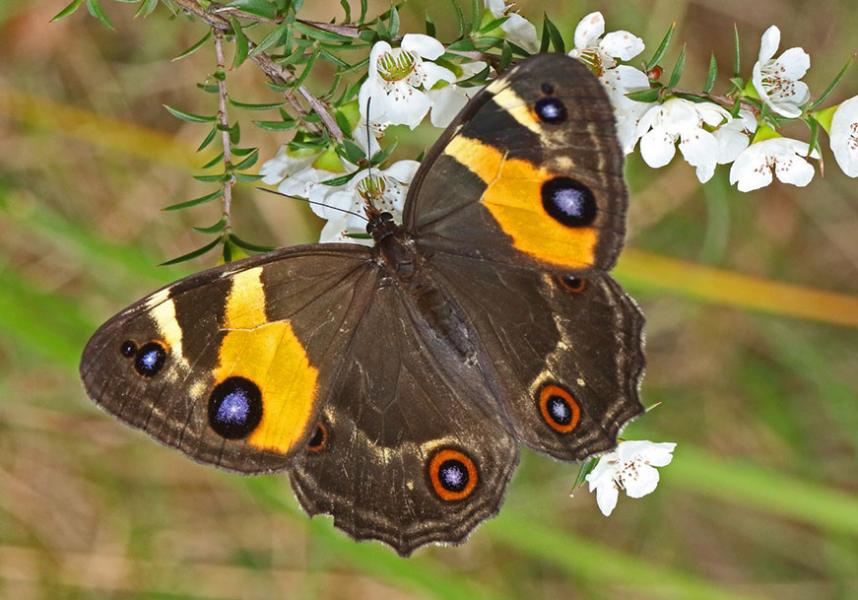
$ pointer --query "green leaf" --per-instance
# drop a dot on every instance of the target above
(662, 47)
(193, 254)
(320, 34)
(247, 177)
(275, 37)
(813, 144)
(216, 228)
(94, 8)
(342, 180)
(711, 75)
(737, 52)
(506, 57)
(255, 106)
(260, 8)
(275, 125)
(347, 9)
(213, 161)
(189, 117)
(208, 139)
(146, 8)
(363, 8)
(678, 69)
(585, 469)
(383, 154)
(248, 245)
(430, 26)
(351, 152)
(545, 38)
(196, 201)
(460, 19)
(393, 27)
(196, 46)
(556, 37)
(306, 72)
(70, 8)
(494, 24)
(824, 96)
(248, 162)
(235, 133)
(650, 95)
(216, 178)
(241, 45)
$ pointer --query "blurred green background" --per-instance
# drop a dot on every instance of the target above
(750, 299)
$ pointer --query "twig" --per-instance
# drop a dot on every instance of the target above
(223, 124)
(275, 72)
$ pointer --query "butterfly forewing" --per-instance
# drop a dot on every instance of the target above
(229, 365)
(538, 173)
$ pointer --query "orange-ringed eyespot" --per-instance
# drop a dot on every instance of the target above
(150, 358)
(568, 201)
(559, 409)
(319, 439)
(571, 283)
(235, 408)
(453, 474)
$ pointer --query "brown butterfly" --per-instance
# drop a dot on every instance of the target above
(396, 383)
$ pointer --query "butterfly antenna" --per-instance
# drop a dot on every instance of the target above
(300, 199)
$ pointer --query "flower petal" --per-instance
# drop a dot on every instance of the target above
(606, 497)
(622, 45)
(424, 45)
(657, 147)
(496, 7)
(795, 170)
(434, 73)
(700, 149)
(644, 482)
(402, 170)
(658, 454)
(750, 170)
(769, 43)
(589, 30)
(844, 136)
(521, 32)
(795, 62)
(378, 49)
(446, 104)
(406, 106)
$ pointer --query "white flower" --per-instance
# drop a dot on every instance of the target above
(518, 30)
(733, 137)
(844, 136)
(399, 79)
(601, 54)
(630, 467)
(777, 80)
(448, 100)
(385, 190)
(618, 82)
(783, 156)
(683, 121)
(285, 164)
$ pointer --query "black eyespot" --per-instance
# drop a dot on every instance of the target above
(551, 110)
(547, 88)
(150, 359)
(573, 284)
(128, 348)
(568, 201)
(453, 475)
(235, 408)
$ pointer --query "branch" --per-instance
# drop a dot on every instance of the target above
(275, 72)
(223, 125)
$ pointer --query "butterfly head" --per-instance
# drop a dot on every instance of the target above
(381, 225)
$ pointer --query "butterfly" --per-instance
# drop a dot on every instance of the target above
(396, 383)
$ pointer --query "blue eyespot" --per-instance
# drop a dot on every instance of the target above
(150, 358)
(453, 475)
(559, 409)
(235, 408)
(551, 110)
(569, 201)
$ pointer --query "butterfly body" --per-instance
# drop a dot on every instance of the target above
(396, 383)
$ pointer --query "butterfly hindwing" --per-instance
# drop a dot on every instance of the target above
(230, 365)
(567, 350)
(538, 173)
(403, 454)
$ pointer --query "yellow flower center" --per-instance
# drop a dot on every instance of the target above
(396, 65)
